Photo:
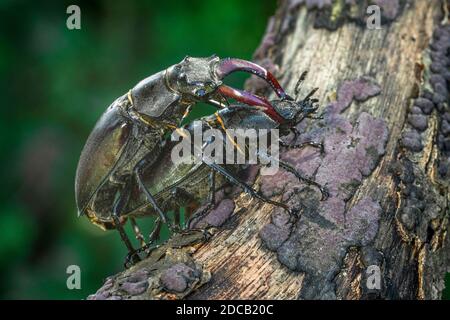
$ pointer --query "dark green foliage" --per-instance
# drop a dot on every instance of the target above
(56, 83)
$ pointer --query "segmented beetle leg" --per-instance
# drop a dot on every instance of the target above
(177, 217)
(296, 134)
(211, 200)
(294, 212)
(131, 259)
(174, 228)
(190, 237)
(117, 209)
(137, 231)
(148, 195)
(323, 190)
(318, 145)
(154, 235)
(197, 216)
(247, 188)
(319, 117)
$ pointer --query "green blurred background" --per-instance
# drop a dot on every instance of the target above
(57, 83)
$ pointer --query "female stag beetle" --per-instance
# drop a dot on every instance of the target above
(130, 134)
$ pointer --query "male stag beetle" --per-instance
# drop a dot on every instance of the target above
(130, 134)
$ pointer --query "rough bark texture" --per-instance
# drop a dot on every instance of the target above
(386, 132)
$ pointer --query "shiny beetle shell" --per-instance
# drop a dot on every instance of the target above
(100, 154)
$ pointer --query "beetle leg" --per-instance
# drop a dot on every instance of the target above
(291, 169)
(154, 235)
(117, 209)
(288, 167)
(210, 202)
(176, 217)
(318, 145)
(134, 257)
(296, 133)
(212, 188)
(150, 198)
(146, 248)
(218, 104)
(137, 231)
(248, 189)
(299, 83)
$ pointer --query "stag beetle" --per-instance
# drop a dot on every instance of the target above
(130, 134)
(177, 185)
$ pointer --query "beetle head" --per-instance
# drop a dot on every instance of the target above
(194, 78)
(294, 111)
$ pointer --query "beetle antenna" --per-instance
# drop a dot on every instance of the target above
(311, 93)
(299, 83)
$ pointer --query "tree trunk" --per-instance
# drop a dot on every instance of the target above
(386, 132)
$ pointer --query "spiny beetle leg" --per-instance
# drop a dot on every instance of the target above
(318, 145)
(150, 198)
(291, 169)
(197, 216)
(135, 256)
(248, 189)
(211, 200)
(118, 206)
(137, 231)
(154, 235)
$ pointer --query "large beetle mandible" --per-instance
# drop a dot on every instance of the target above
(130, 134)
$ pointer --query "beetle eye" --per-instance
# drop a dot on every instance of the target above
(200, 92)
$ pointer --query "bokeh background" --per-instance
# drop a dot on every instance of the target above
(55, 84)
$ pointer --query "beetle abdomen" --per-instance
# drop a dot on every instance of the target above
(101, 153)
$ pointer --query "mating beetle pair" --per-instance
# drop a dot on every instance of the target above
(129, 137)
(176, 185)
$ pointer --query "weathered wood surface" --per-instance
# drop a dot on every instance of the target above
(384, 163)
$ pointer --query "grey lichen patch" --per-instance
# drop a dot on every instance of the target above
(419, 212)
(418, 121)
(412, 140)
(440, 82)
(433, 100)
(316, 243)
(169, 272)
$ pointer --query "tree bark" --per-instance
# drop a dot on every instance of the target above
(386, 132)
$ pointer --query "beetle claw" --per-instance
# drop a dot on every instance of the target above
(132, 258)
(325, 193)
